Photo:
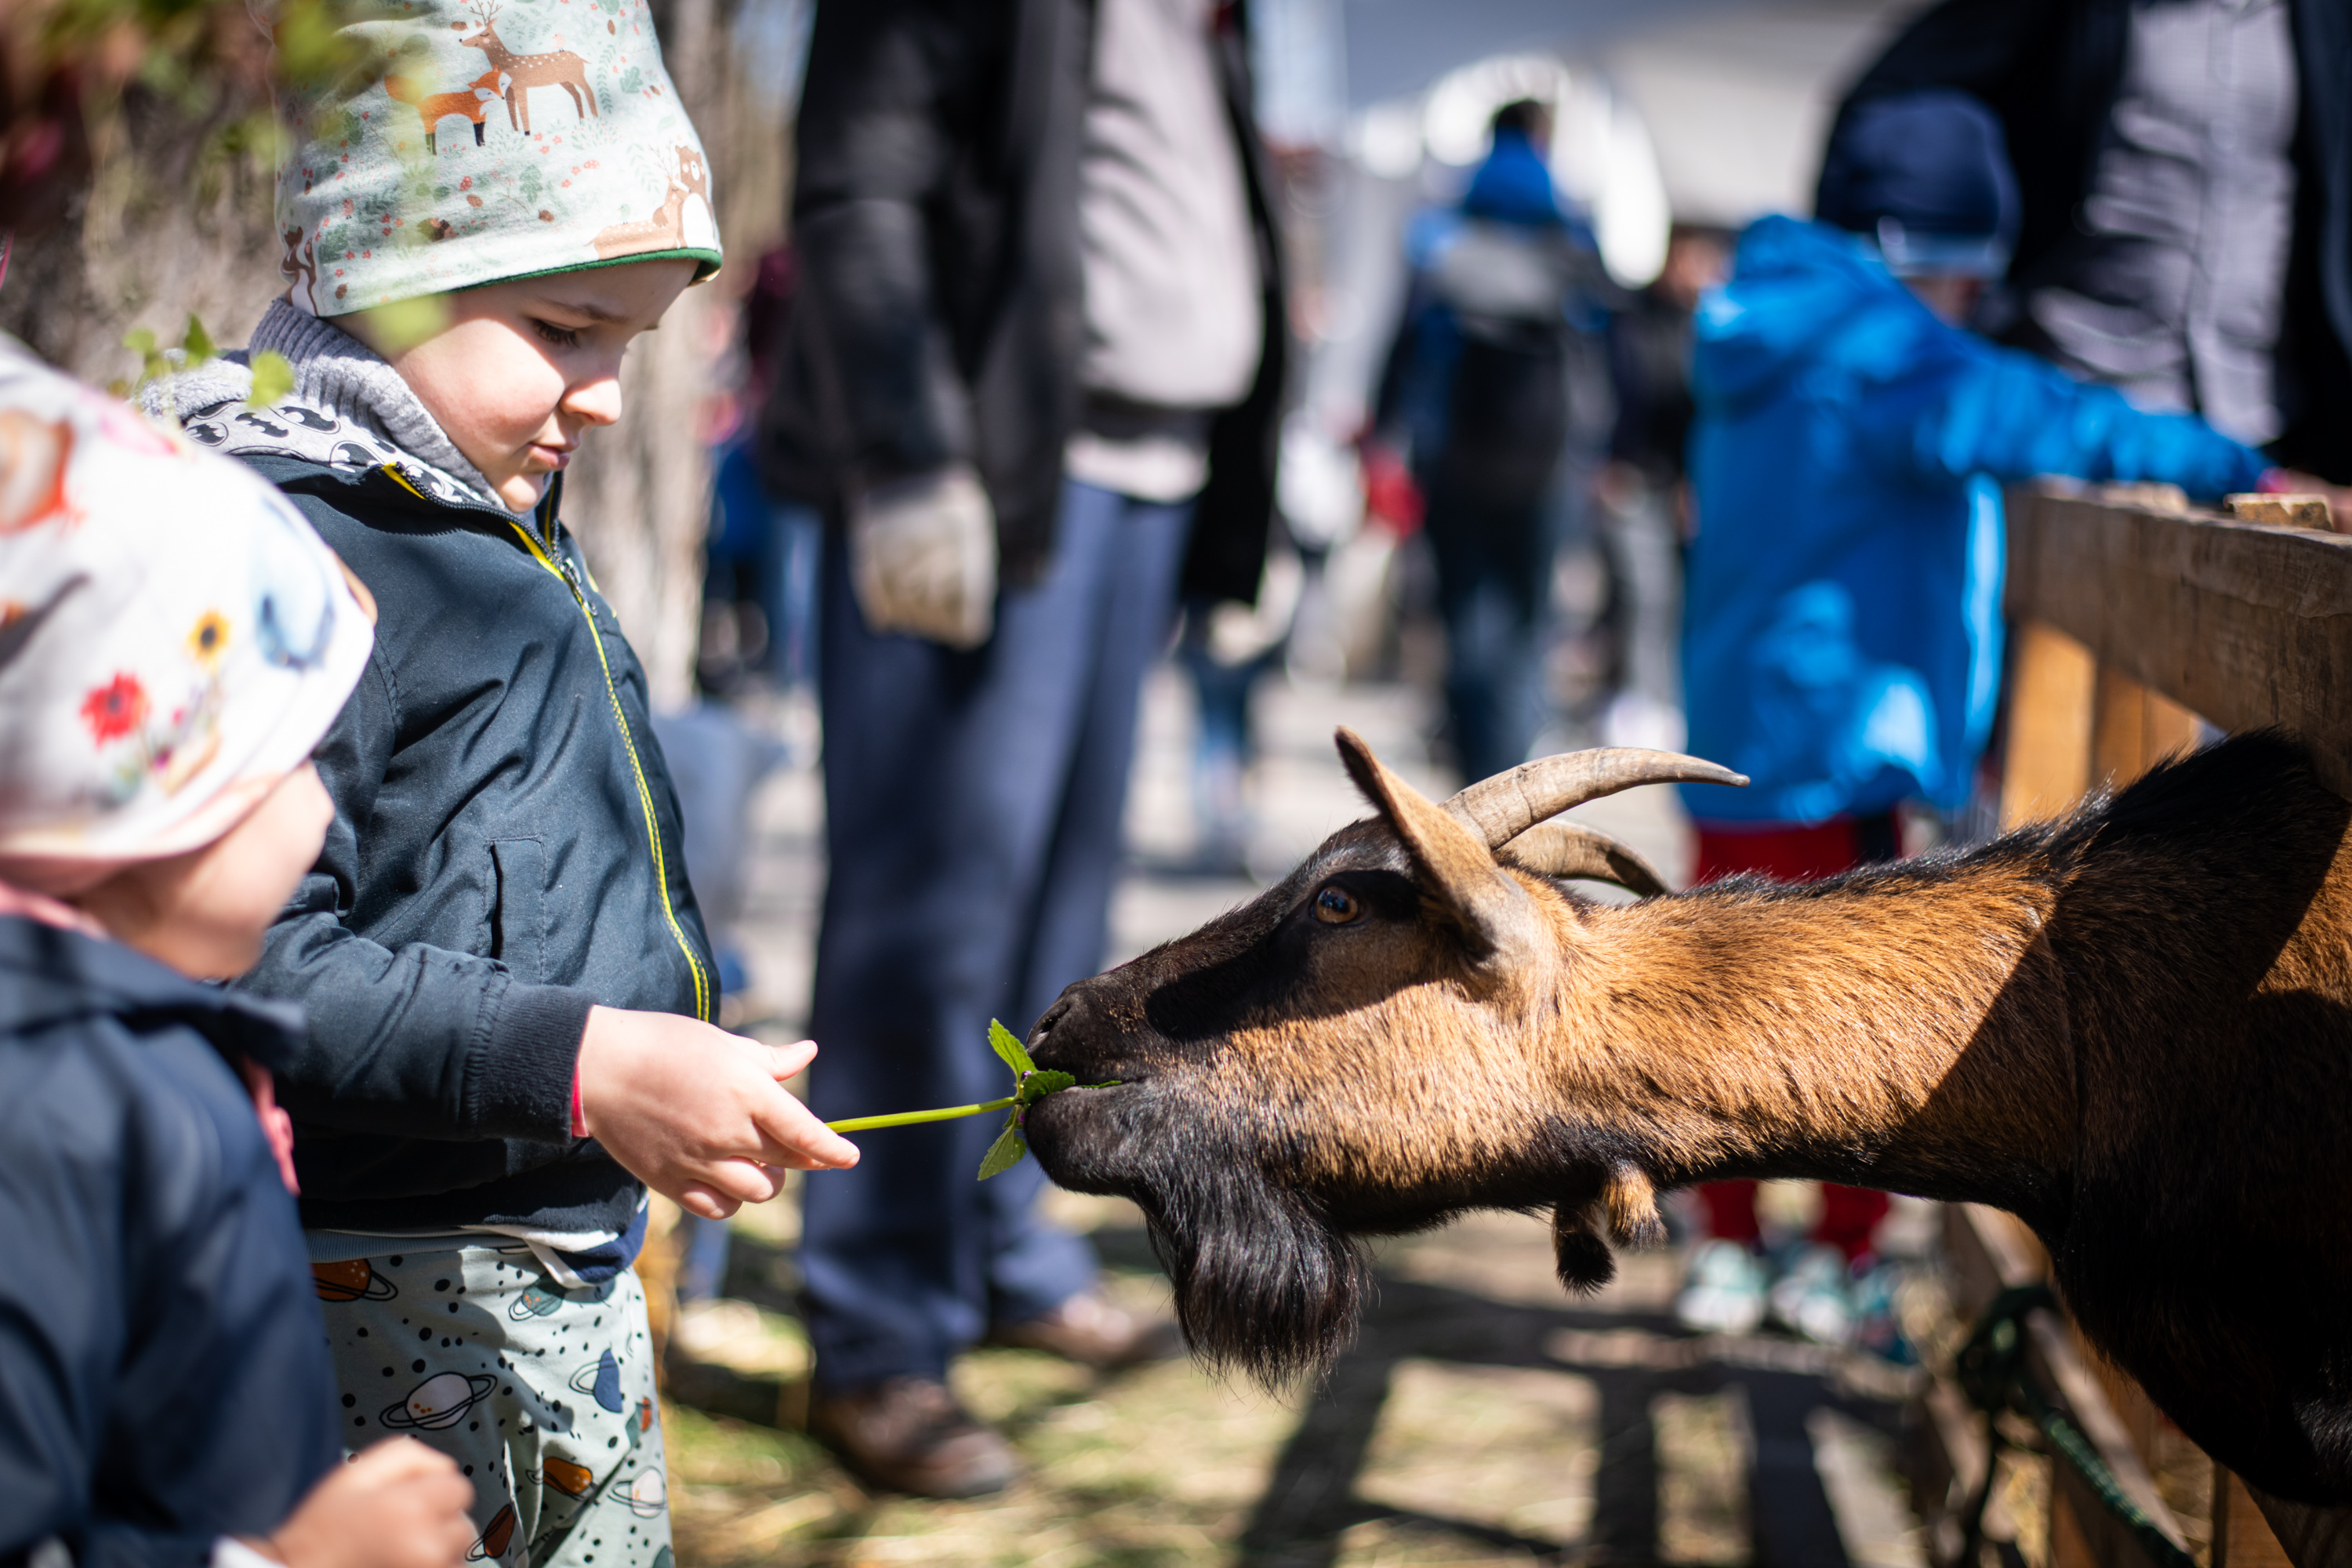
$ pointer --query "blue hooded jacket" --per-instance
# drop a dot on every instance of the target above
(1842, 637)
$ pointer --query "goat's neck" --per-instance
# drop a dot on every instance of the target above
(1910, 1037)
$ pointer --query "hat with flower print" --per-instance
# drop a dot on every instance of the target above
(486, 140)
(175, 638)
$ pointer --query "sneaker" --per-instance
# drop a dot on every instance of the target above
(1877, 1328)
(909, 1434)
(1815, 1297)
(1087, 1329)
(1724, 1292)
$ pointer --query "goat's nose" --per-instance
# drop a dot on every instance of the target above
(1041, 1033)
(1051, 1017)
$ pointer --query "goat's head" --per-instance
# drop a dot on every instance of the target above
(1353, 1053)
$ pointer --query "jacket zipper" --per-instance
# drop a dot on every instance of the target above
(544, 548)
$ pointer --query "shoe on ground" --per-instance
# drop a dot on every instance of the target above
(1815, 1297)
(1087, 1329)
(1724, 1293)
(1879, 1326)
(910, 1434)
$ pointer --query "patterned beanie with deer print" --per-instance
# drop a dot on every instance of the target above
(486, 140)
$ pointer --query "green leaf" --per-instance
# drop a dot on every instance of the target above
(1006, 1151)
(198, 344)
(1038, 1085)
(273, 380)
(1001, 1039)
(140, 340)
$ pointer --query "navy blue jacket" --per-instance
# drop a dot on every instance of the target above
(163, 1374)
(505, 853)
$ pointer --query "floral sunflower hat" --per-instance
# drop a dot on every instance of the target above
(175, 638)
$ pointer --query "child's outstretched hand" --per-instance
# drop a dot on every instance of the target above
(399, 1505)
(697, 1114)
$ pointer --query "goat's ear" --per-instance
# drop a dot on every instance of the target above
(1456, 870)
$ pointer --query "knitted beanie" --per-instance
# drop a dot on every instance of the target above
(489, 141)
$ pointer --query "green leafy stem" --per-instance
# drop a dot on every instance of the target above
(1031, 1083)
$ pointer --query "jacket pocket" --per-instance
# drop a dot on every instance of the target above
(517, 921)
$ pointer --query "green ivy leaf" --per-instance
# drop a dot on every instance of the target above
(273, 380)
(140, 340)
(1006, 1151)
(198, 344)
(1001, 1040)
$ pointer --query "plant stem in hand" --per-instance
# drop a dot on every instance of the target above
(910, 1118)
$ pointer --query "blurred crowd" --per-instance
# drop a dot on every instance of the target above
(1016, 412)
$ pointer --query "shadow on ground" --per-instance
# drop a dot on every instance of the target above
(1480, 1417)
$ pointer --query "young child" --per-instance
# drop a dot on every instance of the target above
(506, 980)
(165, 1392)
(1842, 630)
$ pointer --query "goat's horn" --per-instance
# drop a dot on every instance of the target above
(1567, 849)
(1504, 806)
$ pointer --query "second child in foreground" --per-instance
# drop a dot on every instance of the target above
(507, 983)
(165, 1392)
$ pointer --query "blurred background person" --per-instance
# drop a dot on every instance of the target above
(2186, 185)
(1476, 396)
(1842, 645)
(1645, 508)
(1031, 374)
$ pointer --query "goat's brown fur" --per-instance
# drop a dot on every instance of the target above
(2134, 1030)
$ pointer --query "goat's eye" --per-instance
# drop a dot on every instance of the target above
(1335, 907)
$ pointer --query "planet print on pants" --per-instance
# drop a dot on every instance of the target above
(601, 1382)
(571, 1479)
(535, 1302)
(441, 1400)
(355, 1280)
(496, 1538)
(648, 1495)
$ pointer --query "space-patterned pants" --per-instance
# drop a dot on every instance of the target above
(543, 1395)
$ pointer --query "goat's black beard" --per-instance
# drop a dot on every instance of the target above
(1263, 1284)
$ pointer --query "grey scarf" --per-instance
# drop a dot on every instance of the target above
(345, 386)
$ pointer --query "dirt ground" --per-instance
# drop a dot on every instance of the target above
(1481, 1418)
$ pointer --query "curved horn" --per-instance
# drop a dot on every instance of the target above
(1504, 806)
(1570, 849)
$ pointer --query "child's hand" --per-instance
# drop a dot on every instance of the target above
(399, 1505)
(698, 1114)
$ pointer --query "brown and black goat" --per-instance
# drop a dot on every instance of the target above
(2132, 1028)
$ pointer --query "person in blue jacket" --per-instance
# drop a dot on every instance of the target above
(1492, 391)
(1841, 632)
(165, 1395)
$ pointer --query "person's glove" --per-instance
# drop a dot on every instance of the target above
(922, 557)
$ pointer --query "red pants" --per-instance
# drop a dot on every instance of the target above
(1849, 1215)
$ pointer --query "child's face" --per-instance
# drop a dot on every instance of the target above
(204, 913)
(523, 368)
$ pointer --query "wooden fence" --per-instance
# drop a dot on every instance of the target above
(2132, 617)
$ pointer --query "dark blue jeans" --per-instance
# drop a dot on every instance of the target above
(1493, 582)
(973, 822)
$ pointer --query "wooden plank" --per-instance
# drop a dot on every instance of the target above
(2247, 624)
(2134, 728)
(1989, 1251)
(2065, 1375)
(2242, 1538)
(2051, 686)
(2307, 1535)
